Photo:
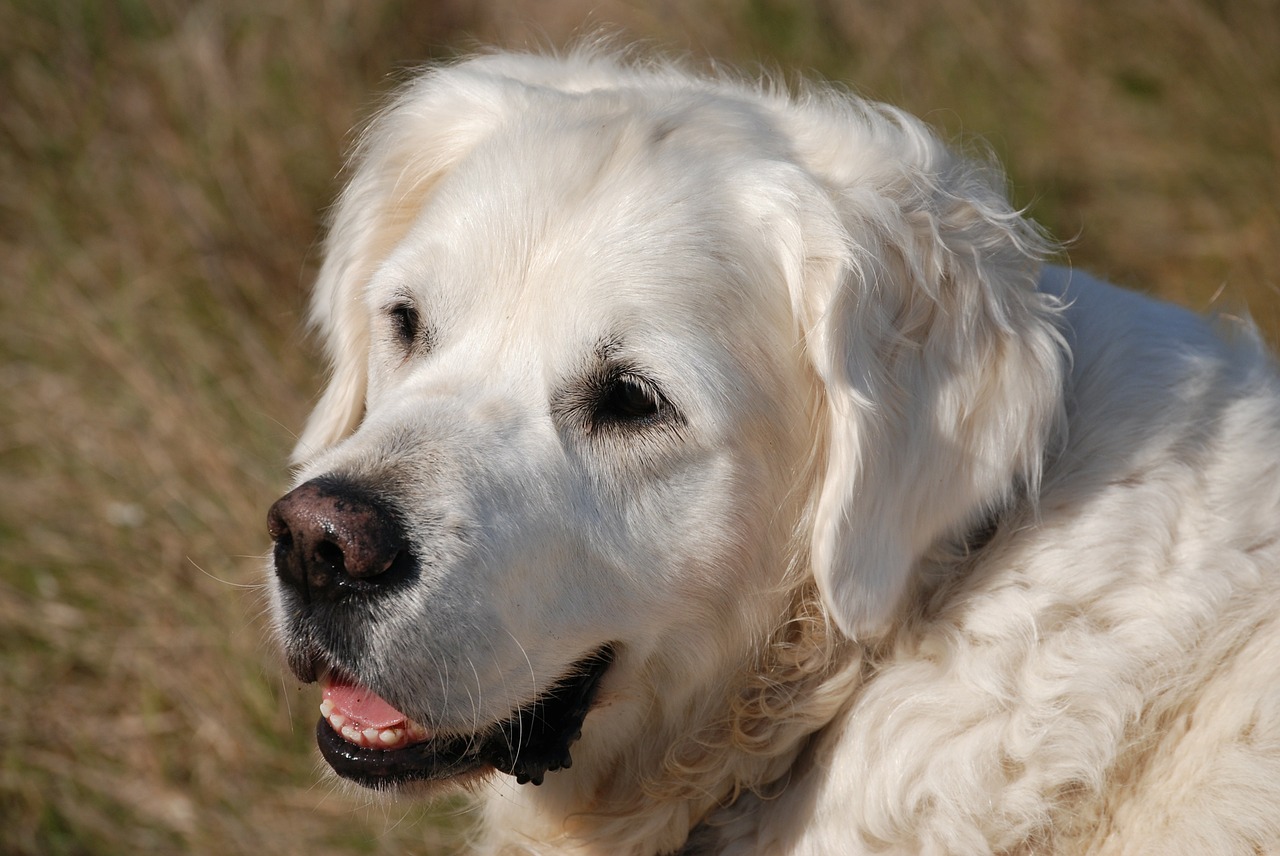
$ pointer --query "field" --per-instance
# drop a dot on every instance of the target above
(165, 166)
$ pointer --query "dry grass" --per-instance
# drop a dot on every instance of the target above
(164, 165)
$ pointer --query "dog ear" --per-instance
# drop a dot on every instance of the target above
(405, 150)
(940, 363)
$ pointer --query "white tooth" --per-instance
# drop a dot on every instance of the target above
(351, 734)
(390, 736)
(337, 721)
(370, 734)
(326, 708)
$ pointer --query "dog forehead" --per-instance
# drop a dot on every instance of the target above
(566, 213)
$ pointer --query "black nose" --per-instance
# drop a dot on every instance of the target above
(333, 539)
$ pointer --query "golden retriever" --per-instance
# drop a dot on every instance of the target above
(712, 468)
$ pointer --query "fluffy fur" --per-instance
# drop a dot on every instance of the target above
(933, 549)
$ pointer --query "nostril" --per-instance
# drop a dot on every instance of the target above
(276, 526)
(329, 553)
(288, 565)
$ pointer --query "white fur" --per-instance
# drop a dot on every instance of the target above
(817, 652)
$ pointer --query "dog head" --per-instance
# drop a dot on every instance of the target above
(619, 357)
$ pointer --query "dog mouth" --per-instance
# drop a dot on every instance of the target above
(366, 740)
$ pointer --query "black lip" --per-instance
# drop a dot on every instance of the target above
(534, 741)
(378, 768)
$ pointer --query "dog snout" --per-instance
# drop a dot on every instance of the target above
(332, 539)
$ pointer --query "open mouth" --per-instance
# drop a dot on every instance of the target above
(371, 743)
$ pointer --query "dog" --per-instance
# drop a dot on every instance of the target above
(709, 466)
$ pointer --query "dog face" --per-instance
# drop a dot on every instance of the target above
(585, 419)
(617, 362)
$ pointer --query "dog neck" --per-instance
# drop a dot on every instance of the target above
(745, 742)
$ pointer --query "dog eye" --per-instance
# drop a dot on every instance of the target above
(616, 401)
(404, 323)
(627, 398)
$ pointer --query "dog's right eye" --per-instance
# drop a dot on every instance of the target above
(404, 323)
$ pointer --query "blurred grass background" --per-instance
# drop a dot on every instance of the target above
(163, 168)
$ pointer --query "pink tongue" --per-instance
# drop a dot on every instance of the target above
(363, 705)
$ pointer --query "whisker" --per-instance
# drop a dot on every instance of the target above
(229, 583)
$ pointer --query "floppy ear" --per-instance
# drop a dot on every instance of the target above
(940, 362)
(426, 129)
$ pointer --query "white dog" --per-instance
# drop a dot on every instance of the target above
(736, 447)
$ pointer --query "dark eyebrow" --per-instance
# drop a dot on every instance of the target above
(608, 347)
(602, 362)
